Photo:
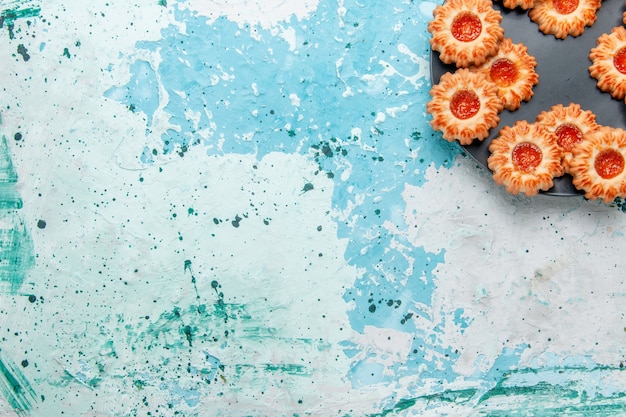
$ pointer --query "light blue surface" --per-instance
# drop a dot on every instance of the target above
(325, 70)
(380, 160)
(347, 94)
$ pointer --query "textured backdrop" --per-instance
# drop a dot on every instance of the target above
(237, 207)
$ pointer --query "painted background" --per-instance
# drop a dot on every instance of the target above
(237, 207)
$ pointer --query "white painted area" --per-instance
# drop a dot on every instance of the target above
(289, 35)
(541, 272)
(300, 275)
(294, 99)
(384, 346)
(266, 13)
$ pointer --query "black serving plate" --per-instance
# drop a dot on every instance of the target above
(563, 68)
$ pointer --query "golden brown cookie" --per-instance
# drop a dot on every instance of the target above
(608, 62)
(465, 32)
(598, 164)
(525, 158)
(570, 124)
(522, 4)
(564, 17)
(464, 106)
(512, 69)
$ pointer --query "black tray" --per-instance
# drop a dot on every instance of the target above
(563, 68)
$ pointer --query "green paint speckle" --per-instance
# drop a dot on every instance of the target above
(16, 247)
(21, 49)
(510, 397)
(66, 53)
(15, 388)
(291, 369)
(188, 334)
(9, 16)
(307, 187)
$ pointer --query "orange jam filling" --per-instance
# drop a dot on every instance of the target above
(619, 60)
(565, 6)
(609, 163)
(464, 104)
(568, 136)
(466, 27)
(503, 72)
(526, 156)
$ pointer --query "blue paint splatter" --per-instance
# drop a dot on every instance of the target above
(142, 92)
(322, 96)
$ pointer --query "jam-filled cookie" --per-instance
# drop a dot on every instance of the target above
(522, 4)
(598, 164)
(525, 158)
(608, 62)
(465, 32)
(564, 17)
(570, 124)
(512, 69)
(464, 106)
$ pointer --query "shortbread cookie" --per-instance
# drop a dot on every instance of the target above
(564, 17)
(465, 32)
(570, 124)
(464, 106)
(522, 4)
(608, 62)
(512, 69)
(525, 158)
(598, 164)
